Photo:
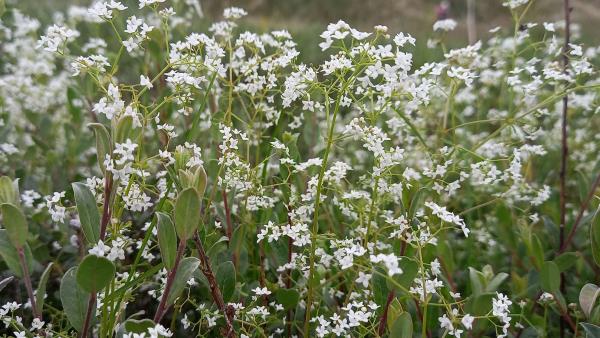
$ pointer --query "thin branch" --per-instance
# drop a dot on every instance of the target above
(383, 320)
(564, 155)
(582, 210)
(27, 280)
(162, 306)
(88, 316)
(214, 287)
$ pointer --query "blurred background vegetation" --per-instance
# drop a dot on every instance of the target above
(306, 19)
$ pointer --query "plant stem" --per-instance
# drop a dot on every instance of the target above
(106, 212)
(27, 281)
(383, 320)
(88, 315)
(229, 229)
(582, 209)
(564, 153)
(214, 287)
(162, 306)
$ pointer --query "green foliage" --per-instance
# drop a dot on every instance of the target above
(89, 216)
(74, 299)
(167, 239)
(16, 225)
(95, 273)
(187, 213)
(185, 271)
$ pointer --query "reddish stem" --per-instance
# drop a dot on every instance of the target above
(162, 306)
(88, 315)
(106, 212)
(27, 280)
(383, 320)
(582, 210)
(216, 294)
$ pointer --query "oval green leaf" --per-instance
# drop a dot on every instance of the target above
(89, 216)
(103, 146)
(74, 299)
(167, 239)
(10, 256)
(187, 213)
(550, 277)
(587, 298)
(226, 280)
(287, 297)
(95, 273)
(15, 223)
(186, 269)
(402, 327)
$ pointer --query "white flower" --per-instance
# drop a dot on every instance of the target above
(512, 4)
(145, 81)
(467, 321)
(261, 291)
(549, 26)
(444, 25)
(364, 279)
(233, 13)
(390, 261)
(144, 3)
(55, 37)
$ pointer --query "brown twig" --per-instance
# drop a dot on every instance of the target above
(106, 214)
(27, 280)
(162, 306)
(88, 315)
(229, 228)
(383, 320)
(564, 152)
(582, 210)
(215, 292)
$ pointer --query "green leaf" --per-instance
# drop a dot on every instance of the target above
(409, 272)
(2, 7)
(200, 180)
(138, 326)
(481, 304)
(15, 223)
(537, 250)
(595, 237)
(11, 257)
(550, 277)
(187, 213)
(565, 261)
(394, 311)
(287, 297)
(89, 216)
(477, 281)
(225, 275)
(41, 289)
(402, 327)
(587, 298)
(417, 202)
(95, 273)
(186, 269)
(9, 190)
(493, 285)
(103, 146)
(591, 330)
(5, 282)
(74, 299)
(380, 286)
(167, 239)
